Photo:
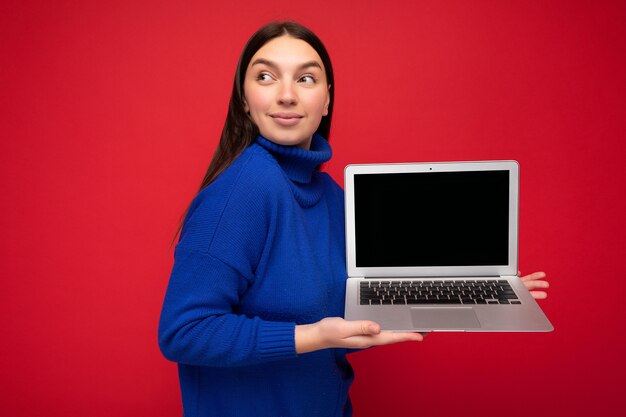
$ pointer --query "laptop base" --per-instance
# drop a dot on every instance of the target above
(523, 317)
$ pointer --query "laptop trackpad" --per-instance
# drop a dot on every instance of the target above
(444, 318)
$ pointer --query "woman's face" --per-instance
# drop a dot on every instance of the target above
(286, 91)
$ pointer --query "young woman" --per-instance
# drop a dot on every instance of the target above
(252, 310)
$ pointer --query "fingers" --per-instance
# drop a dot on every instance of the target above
(367, 333)
(351, 328)
(533, 276)
(397, 337)
(361, 333)
(534, 281)
(373, 328)
(531, 285)
(539, 295)
(384, 338)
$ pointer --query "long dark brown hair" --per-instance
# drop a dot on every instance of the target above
(239, 129)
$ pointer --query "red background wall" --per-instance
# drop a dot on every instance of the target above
(111, 111)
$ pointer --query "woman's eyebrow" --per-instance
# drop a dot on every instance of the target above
(274, 66)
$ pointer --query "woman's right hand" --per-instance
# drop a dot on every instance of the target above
(335, 332)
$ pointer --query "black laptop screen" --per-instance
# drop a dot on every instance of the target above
(432, 219)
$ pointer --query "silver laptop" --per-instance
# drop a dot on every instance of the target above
(433, 247)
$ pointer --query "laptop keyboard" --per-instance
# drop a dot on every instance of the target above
(479, 291)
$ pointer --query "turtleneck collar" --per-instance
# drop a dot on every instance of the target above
(299, 164)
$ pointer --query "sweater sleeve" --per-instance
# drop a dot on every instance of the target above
(214, 264)
(198, 325)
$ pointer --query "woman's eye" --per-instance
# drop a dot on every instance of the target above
(263, 77)
(308, 79)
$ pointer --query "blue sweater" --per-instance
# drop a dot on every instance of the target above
(261, 250)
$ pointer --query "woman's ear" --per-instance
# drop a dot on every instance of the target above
(325, 113)
(246, 108)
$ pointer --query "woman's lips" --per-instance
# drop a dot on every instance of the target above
(286, 119)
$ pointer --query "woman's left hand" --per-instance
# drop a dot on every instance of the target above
(534, 281)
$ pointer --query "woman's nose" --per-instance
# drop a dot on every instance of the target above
(287, 95)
